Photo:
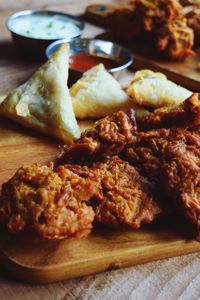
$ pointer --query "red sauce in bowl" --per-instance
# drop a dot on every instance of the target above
(83, 62)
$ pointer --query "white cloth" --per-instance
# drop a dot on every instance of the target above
(169, 279)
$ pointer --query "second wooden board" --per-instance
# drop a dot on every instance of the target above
(185, 72)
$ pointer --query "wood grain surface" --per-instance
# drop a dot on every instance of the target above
(39, 261)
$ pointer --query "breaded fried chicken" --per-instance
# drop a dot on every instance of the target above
(161, 20)
(186, 115)
(145, 153)
(156, 12)
(125, 197)
(139, 16)
(175, 39)
(192, 14)
(181, 175)
(108, 137)
(50, 204)
(170, 158)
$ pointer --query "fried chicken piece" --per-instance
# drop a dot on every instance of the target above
(50, 204)
(181, 176)
(108, 137)
(184, 116)
(156, 12)
(170, 158)
(192, 15)
(136, 17)
(175, 39)
(125, 198)
(162, 20)
(145, 153)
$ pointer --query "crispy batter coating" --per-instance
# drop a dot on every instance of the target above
(138, 16)
(170, 158)
(175, 39)
(163, 19)
(108, 137)
(192, 15)
(125, 197)
(145, 153)
(156, 12)
(181, 175)
(59, 204)
(50, 204)
(186, 115)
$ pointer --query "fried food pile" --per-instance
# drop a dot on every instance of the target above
(164, 149)
(192, 14)
(119, 173)
(160, 21)
(50, 203)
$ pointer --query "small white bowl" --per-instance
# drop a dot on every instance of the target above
(34, 47)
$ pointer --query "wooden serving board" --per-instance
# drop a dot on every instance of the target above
(35, 260)
(185, 72)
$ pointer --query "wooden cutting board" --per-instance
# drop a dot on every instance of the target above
(185, 72)
(40, 261)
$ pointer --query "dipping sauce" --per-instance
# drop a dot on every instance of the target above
(45, 26)
(83, 62)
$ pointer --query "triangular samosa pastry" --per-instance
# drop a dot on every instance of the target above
(153, 89)
(43, 102)
(97, 94)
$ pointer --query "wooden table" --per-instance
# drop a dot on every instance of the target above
(167, 279)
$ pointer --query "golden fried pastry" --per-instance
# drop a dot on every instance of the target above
(50, 204)
(43, 102)
(2, 99)
(153, 90)
(97, 94)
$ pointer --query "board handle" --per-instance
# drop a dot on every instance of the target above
(98, 13)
